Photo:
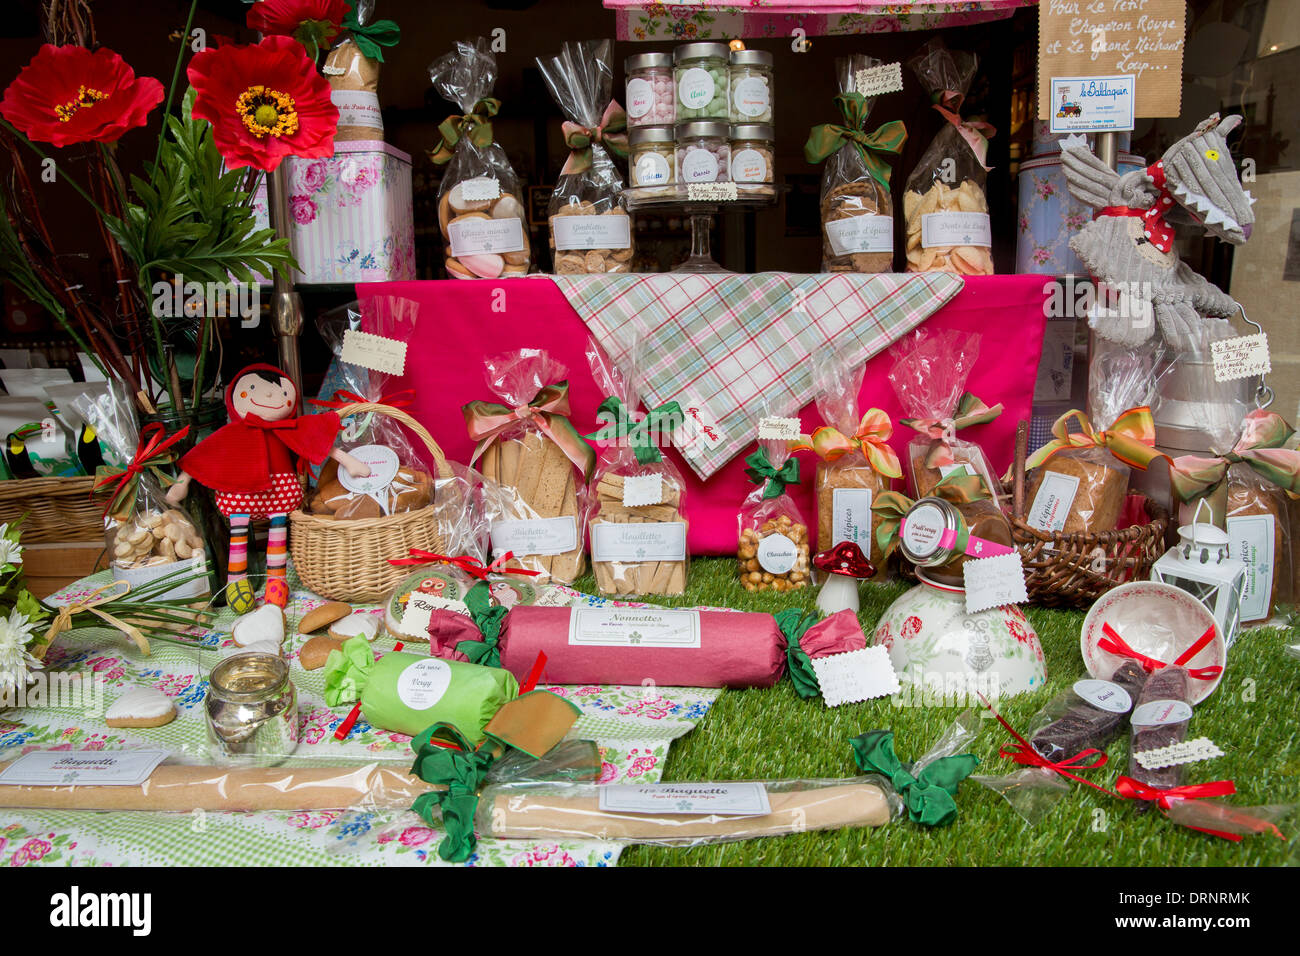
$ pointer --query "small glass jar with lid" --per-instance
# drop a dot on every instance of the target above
(651, 100)
(751, 86)
(252, 710)
(703, 152)
(651, 156)
(700, 73)
(752, 155)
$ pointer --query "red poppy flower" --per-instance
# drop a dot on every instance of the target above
(310, 22)
(264, 102)
(69, 95)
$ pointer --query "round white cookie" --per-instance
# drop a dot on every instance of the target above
(141, 707)
(358, 623)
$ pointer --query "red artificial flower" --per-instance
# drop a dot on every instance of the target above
(311, 22)
(69, 95)
(265, 102)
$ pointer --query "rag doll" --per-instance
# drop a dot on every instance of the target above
(252, 464)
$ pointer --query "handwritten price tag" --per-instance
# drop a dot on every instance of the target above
(779, 429)
(994, 582)
(374, 352)
(711, 192)
(1243, 357)
(887, 78)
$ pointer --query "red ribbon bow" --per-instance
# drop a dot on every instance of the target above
(1154, 227)
(1024, 754)
(152, 444)
(467, 563)
(343, 397)
(1165, 798)
(1114, 644)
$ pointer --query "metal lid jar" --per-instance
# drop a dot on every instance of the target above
(651, 156)
(750, 78)
(703, 152)
(651, 100)
(700, 74)
(252, 710)
(752, 154)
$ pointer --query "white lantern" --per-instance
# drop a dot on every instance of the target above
(1201, 565)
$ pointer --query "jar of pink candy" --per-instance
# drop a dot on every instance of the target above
(703, 152)
(650, 96)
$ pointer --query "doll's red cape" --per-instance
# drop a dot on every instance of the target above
(238, 457)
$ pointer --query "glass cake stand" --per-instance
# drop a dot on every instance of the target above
(700, 211)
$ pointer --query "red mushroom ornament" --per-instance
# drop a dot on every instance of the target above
(845, 565)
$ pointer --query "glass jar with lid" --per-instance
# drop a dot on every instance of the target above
(252, 710)
(939, 536)
(651, 100)
(700, 74)
(703, 152)
(752, 156)
(651, 156)
(750, 78)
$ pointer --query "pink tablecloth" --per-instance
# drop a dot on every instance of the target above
(461, 322)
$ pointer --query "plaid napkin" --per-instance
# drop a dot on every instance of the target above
(714, 343)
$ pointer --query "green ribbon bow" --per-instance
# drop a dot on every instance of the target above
(828, 138)
(475, 125)
(927, 795)
(794, 623)
(372, 37)
(760, 470)
(636, 434)
(970, 411)
(488, 617)
(610, 132)
(462, 772)
(347, 671)
(890, 507)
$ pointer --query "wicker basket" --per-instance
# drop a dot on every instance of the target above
(348, 560)
(57, 509)
(1073, 570)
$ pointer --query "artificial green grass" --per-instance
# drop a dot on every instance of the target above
(1254, 717)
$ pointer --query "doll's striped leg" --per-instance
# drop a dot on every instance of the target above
(238, 564)
(277, 555)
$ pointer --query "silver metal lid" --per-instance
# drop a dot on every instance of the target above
(696, 128)
(650, 134)
(751, 58)
(696, 51)
(924, 528)
(644, 61)
(753, 131)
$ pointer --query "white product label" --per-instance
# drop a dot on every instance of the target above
(374, 352)
(641, 490)
(711, 192)
(699, 166)
(651, 169)
(856, 675)
(480, 189)
(634, 543)
(358, 108)
(422, 684)
(1250, 540)
(535, 536)
(886, 78)
(383, 469)
(959, 469)
(749, 166)
(922, 529)
(861, 234)
(750, 96)
(695, 88)
(1052, 503)
(956, 229)
(591, 232)
(419, 612)
(994, 582)
(477, 237)
(851, 517)
(633, 627)
(640, 97)
(779, 429)
(723, 799)
(1104, 695)
(48, 768)
(1243, 357)
(1187, 751)
(777, 554)
(1159, 712)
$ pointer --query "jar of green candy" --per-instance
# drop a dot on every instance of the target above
(700, 74)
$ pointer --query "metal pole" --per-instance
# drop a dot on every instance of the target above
(286, 303)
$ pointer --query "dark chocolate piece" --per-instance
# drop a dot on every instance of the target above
(1084, 726)
(1168, 683)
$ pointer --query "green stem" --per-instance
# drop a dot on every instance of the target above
(43, 155)
(171, 87)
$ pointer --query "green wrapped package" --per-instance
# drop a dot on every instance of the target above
(406, 693)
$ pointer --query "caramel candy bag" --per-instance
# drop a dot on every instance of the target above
(774, 548)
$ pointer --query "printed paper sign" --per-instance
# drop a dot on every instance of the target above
(856, 675)
(1250, 540)
(1188, 751)
(711, 192)
(1052, 502)
(1093, 104)
(779, 429)
(591, 232)
(723, 799)
(633, 627)
(419, 612)
(101, 768)
(1243, 357)
(639, 490)
(544, 536)
(868, 233)
(422, 684)
(480, 189)
(375, 352)
(994, 582)
(639, 542)
(1104, 695)
(851, 517)
(940, 229)
(886, 78)
(475, 237)
(358, 108)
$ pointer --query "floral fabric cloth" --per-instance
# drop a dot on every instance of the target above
(633, 727)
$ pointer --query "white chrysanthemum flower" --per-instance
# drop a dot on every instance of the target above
(15, 632)
(11, 552)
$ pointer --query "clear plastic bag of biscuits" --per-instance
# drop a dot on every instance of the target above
(944, 203)
(480, 203)
(854, 460)
(857, 210)
(774, 547)
(352, 69)
(591, 230)
(534, 463)
(929, 374)
(636, 503)
(402, 472)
